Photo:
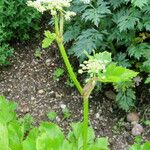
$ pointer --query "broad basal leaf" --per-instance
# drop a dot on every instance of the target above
(4, 142)
(30, 142)
(6, 110)
(50, 137)
(16, 135)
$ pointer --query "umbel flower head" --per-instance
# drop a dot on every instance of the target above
(53, 6)
(95, 64)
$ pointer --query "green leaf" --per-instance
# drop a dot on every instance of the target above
(58, 73)
(4, 142)
(126, 99)
(135, 147)
(30, 142)
(103, 56)
(51, 137)
(52, 115)
(7, 108)
(139, 50)
(16, 135)
(49, 38)
(76, 135)
(147, 80)
(139, 3)
(26, 122)
(117, 74)
(121, 60)
(147, 122)
(91, 37)
(95, 14)
(128, 20)
(118, 3)
(66, 113)
(72, 33)
(102, 143)
(146, 146)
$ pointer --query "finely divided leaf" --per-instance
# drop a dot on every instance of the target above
(95, 14)
(86, 41)
(139, 3)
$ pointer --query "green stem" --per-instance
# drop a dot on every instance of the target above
(59, 39)
(68, 65)
(85, 123)
(56, 25)
(61, 23)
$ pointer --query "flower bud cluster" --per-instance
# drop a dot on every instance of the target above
(93, 66)
(53, 6)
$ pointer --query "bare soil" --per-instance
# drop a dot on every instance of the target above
(29, 81)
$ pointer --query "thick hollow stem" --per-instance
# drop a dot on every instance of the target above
(85, 123)
(59, 40)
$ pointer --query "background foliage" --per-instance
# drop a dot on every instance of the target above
(121, 27)
(15, 22)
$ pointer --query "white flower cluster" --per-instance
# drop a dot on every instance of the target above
(53, 6)
(69, 14)
(93, 67)
(37, 5)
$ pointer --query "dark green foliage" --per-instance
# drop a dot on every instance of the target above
(121, 27)
(121, 60)
(126, 95)
(88, 39)
(16, 19)
(126, 99)
(114, 25)
(5, 52)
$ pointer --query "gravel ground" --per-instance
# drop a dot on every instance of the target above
(29, 81)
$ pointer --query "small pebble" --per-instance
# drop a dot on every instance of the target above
(58, 119)
(137, 130)
(40, 91)
(48, 62)
(97, 115)
(133, 117)
(32, 98)
(63, 106)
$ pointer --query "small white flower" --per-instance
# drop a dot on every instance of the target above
(80, 71)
